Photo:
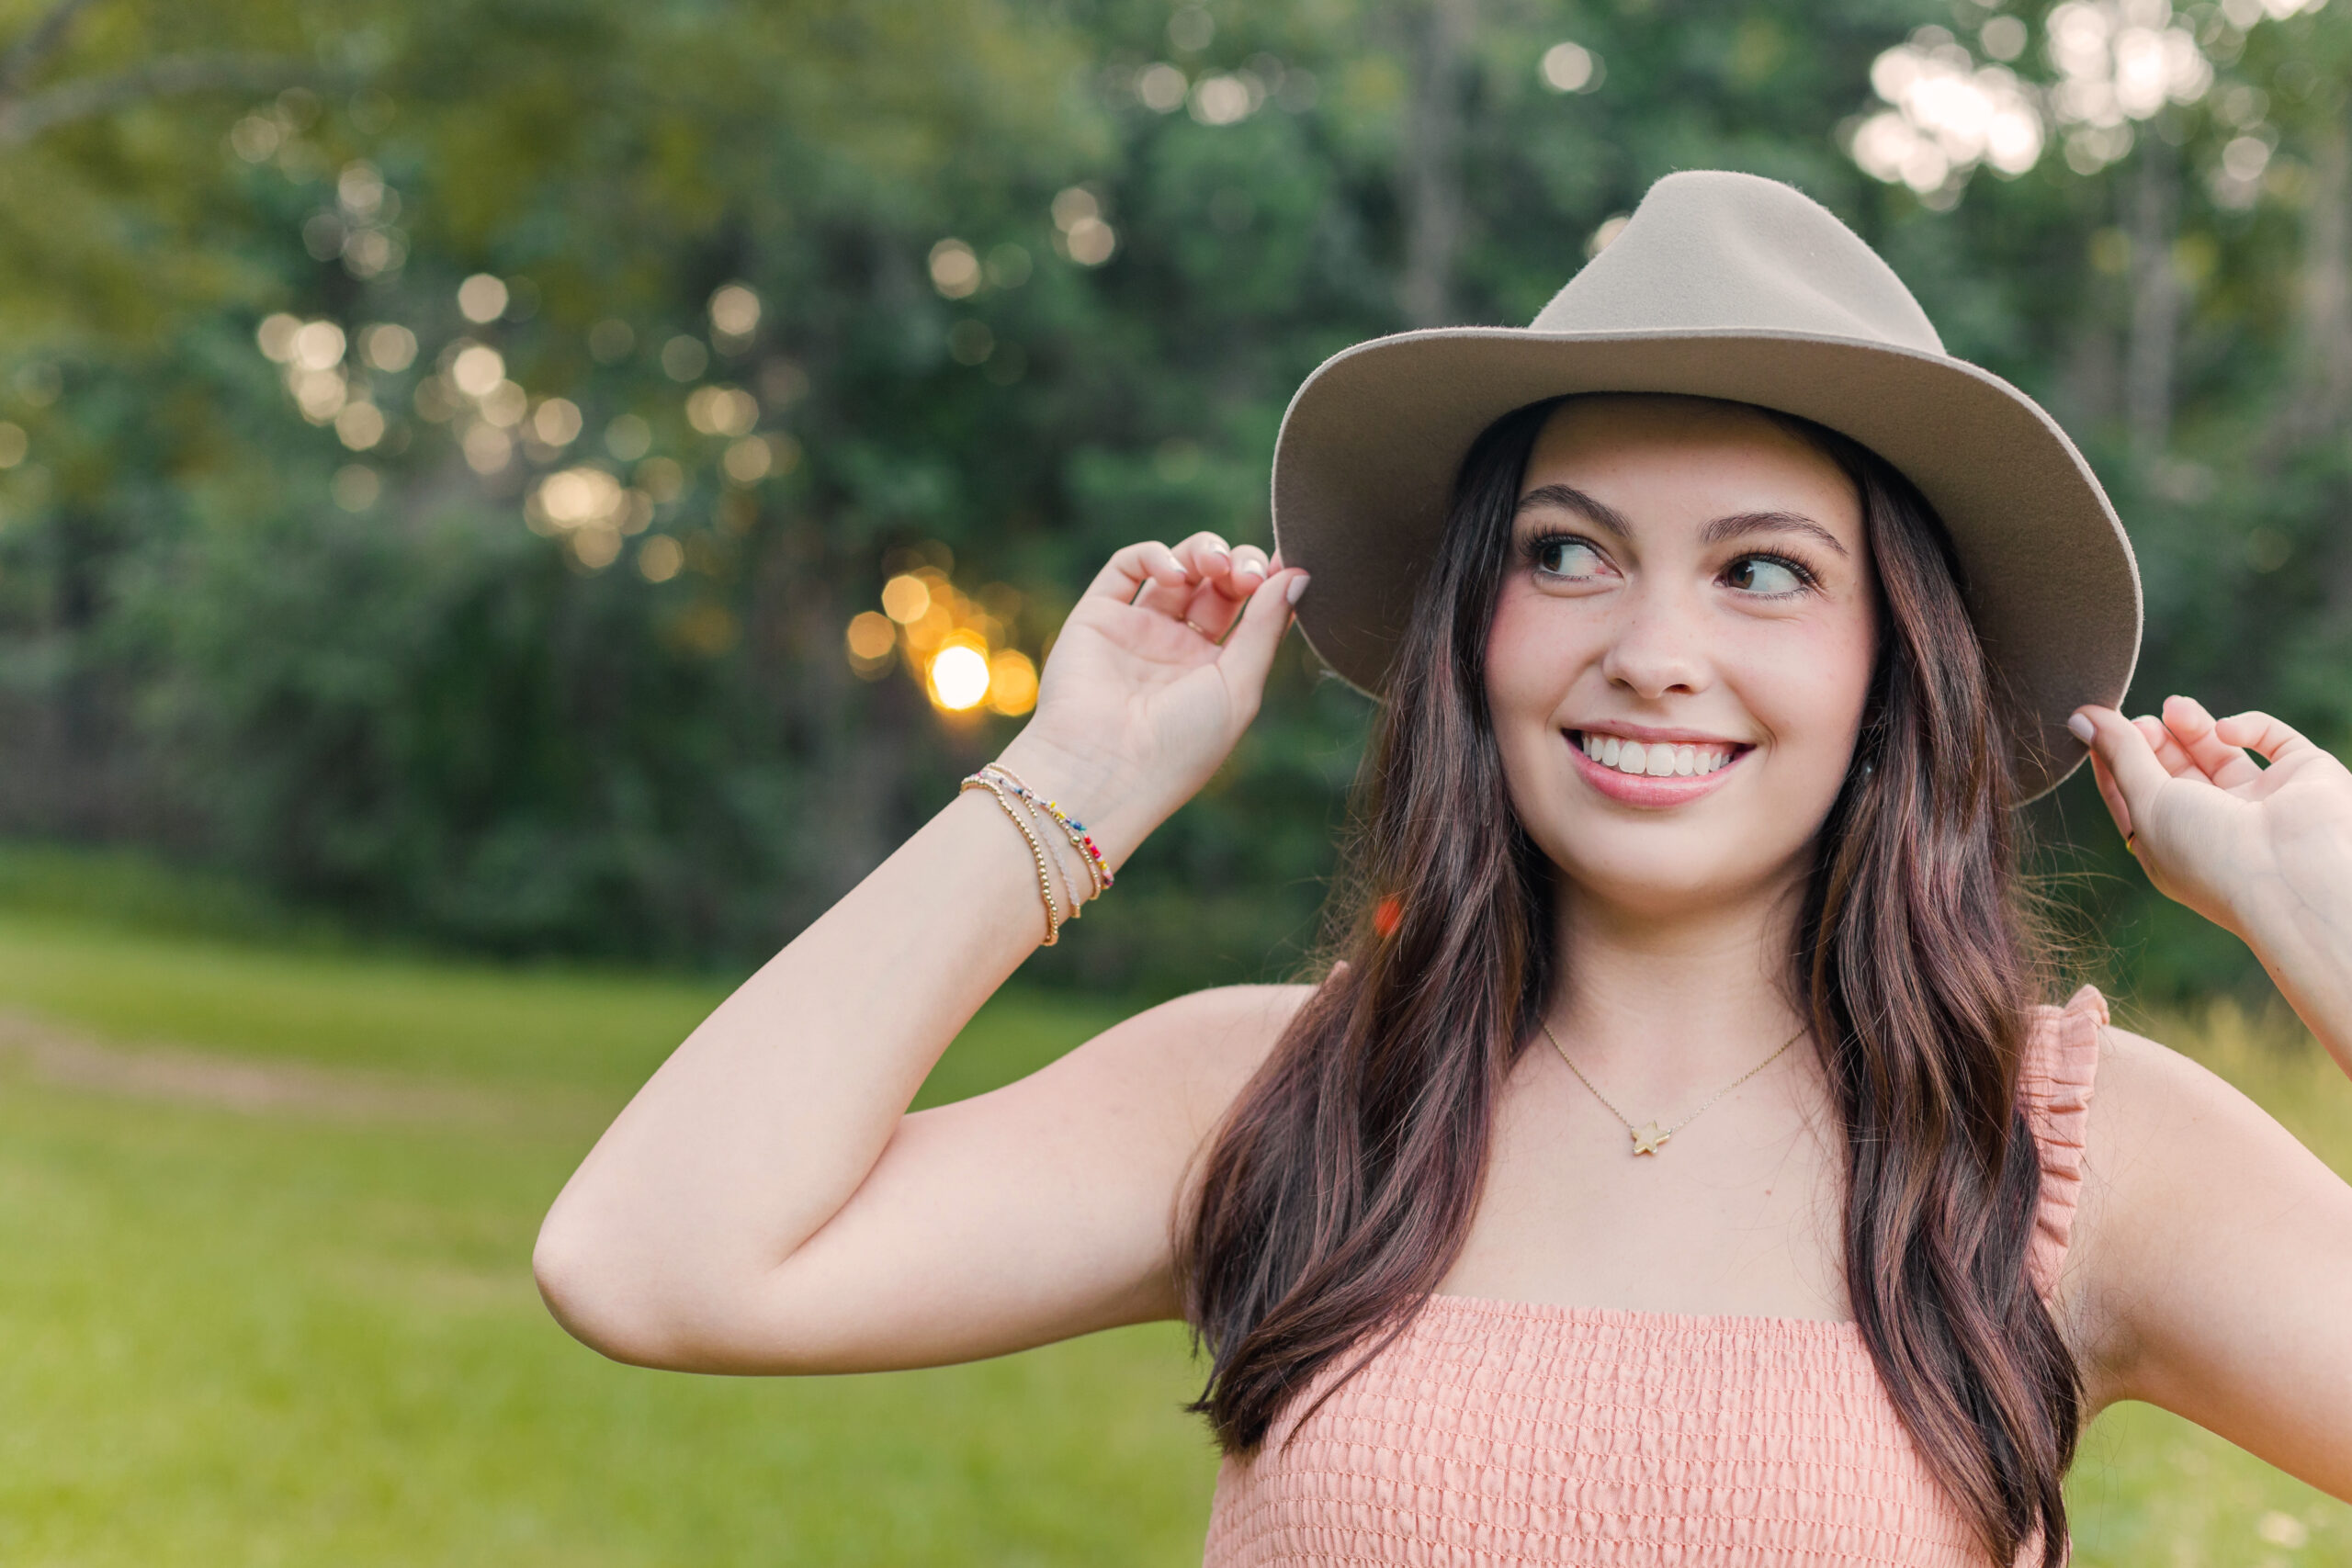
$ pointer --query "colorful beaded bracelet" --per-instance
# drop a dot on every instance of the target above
(1098, 870)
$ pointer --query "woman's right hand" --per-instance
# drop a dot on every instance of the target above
(1146, 693)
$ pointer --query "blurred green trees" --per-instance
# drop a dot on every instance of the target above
(522, 626)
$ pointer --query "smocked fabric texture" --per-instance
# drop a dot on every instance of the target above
(1493, 1434)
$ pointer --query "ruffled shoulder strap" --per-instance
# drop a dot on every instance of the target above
(2062, 1054)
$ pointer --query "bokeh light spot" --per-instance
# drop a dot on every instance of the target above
(481, 298)
(356, 487)
(1012, 682)
(905, 598)
(959, 676)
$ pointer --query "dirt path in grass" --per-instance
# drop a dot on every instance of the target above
(48, 1053)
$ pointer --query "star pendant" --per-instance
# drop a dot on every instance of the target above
(1648, 1139)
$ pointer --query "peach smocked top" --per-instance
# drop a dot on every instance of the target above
(1504, 1433)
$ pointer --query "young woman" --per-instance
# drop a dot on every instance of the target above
(1680, 1165)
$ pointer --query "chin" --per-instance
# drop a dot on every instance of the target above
(1659, 872)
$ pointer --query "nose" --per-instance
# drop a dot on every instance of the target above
(1656, 648)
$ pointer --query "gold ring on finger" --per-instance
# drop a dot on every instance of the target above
(1200, 628)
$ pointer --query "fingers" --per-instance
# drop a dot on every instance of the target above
(1205, 557)
(2262, 733)
(1248, 654)
(1135, 568)
(2166, 745)
(2128, 760)
(1201, 581)
(2112, 796)
(1214, 605)
(2226, 764)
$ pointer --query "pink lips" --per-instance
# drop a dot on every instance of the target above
(1639, 789)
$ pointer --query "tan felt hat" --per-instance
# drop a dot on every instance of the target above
(1723, 286)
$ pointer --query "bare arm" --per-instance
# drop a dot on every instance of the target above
(2218, 1250)
(766, 1203)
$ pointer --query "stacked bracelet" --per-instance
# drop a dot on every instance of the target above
(1098, 870)
(1054, 917)
(1007, 786)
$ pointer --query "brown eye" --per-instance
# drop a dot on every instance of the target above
(1764, 576)
(1570, 558)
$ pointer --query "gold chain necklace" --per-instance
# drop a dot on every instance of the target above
(1649, 1137)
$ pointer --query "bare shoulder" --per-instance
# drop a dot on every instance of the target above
(2153, 1113)
(2151, 1106)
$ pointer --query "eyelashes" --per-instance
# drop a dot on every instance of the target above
(1538, 548)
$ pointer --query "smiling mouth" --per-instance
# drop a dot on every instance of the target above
(1656, 759)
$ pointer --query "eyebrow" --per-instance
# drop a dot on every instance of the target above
(1608, 519)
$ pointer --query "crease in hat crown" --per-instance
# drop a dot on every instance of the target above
(1800, 269)
(1733, 287)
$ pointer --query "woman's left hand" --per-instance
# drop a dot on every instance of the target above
(2234, 841)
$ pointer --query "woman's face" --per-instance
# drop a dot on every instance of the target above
(1681, 650)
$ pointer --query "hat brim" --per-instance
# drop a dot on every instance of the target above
(1370, 445)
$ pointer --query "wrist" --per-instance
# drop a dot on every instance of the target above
(1113, 801)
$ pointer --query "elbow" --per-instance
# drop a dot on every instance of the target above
(629, 1308)
(583, 1294)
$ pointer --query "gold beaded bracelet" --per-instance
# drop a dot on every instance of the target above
(1036, 852)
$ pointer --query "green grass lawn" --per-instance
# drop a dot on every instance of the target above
(298, 1339)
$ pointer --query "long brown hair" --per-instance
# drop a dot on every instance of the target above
(1340, 1188)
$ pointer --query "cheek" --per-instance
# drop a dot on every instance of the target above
(1809, 691)
(1532, 658)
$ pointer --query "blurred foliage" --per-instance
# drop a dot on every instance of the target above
(361, 663)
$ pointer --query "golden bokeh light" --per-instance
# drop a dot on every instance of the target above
(871, 636)
(1012, 682)
(959, 675)
(927, 632)
(13, 444)
(956, 646)
(905, 598)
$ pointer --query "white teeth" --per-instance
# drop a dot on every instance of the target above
(1657, 760)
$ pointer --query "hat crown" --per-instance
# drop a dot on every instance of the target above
(1711, 251)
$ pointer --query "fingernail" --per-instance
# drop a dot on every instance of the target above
(1297, 586)
(1251, 568)
(2082, 728)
